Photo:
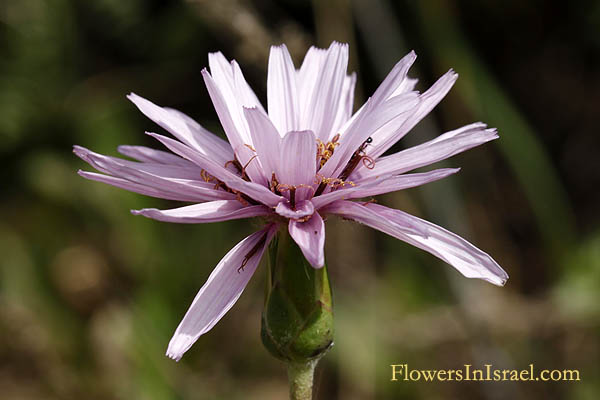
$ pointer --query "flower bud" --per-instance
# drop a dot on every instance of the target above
(297, 320)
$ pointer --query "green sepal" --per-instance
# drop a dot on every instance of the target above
(297, 320)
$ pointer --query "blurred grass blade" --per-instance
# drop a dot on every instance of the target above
(488, 102)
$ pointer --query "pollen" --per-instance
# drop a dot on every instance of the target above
(334, 183)
(325, 150)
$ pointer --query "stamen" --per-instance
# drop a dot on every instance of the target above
(236, 164)
(244, 176)
(368, 162)
(333, 183)
(273, 185)
(206, 177)
(358, 156)
(293, 198)
(242, 198)
(252, 252)
(325, 150)
(370, 201)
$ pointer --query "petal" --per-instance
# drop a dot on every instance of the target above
(116, 165)
(139, 188)
(303, 209)
(344, 111)
(344, 151)
(307, 77)
(438, 149)
(266, 139)
(252, 167)
(254, 190)
(149, 155)
(407, 85)
(389, 134)
(282, 94)
(245, 95)
(220, 292)
(223, 101)
(234, 93)
(310, 237)
(321, 93)
(213, 211)
(185, 129)
(388, 185)
(394, 111)
(395, 79)
(211, 143)
(162, 177)
(297, 163)
(456, 251)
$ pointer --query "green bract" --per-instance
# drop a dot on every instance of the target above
(297, 320)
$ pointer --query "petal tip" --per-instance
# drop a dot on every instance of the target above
(499, 280)
(179, 344)
(134, 98)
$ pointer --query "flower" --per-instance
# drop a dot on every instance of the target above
(307, 158)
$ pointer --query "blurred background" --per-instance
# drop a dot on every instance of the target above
(90, 295)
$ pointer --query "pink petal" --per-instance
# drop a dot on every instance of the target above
(344, 111)
(438, 149)
(304, 208)
(254, 190)
(220, 292)
(395, 79)
(230, 93)
(282, 96)
(211, 143)
(149, 155)
(389, 134)
(252, 167)
(245, 95)
(185, 129)
(369, 119)
(213, 211)
(156, 176)
(266, 139)
(396, 109)
(297, 165)
(387, 185)
(308, 78)
(310, 237)
(462, 255)
(226, 107)
(358, 126)
(139, 188)
(321, 87)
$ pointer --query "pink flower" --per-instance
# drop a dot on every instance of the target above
(307, 158)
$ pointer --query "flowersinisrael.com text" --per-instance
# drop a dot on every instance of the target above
(402, 372)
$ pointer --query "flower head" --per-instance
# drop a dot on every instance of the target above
(308, 157)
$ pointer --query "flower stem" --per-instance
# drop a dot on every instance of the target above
(300, 376)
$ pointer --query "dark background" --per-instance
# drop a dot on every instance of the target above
(90, 295)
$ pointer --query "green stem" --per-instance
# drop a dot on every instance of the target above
(300, 377)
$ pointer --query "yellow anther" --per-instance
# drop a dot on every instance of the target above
(325, 150)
